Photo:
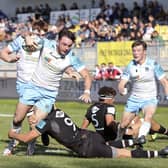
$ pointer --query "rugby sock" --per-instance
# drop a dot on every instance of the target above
(121, 143)
(166, 132)
(139, 153)
(144, 129)
(162, 130)
(16, 126)
(120, 133)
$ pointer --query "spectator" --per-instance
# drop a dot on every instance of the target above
(63, 7)
(156, 38)
(97, 73)
(148, 32)
(74, 6)
(103, 71)
(91, 41)
(113, 72)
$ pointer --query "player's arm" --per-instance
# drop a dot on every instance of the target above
(85, 123)
(24, 137)
(109, 119)
(87, 84)
(72, 73)
(122, 86)
(7, 56)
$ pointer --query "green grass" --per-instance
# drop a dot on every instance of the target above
(59, 157)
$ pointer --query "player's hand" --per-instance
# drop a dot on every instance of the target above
(123, 92)
(11, 133)
(14, 58)
(32, 120)
(86, 98)
(75, 75)
(30, 45)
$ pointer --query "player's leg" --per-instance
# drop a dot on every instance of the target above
(158, 128)
(42, 108)
(127, 142)
(149, 111)
(45, 137)
(100, 149)
(139, 153)
(20, 113)
(126, 119)
(131, 108)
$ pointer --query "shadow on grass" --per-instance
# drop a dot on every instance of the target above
(21, 149)
(25, 164)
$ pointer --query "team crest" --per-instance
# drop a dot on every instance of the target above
(59, 114)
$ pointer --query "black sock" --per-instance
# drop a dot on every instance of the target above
(166, 132)
(16, 125)
(139, 153)
(127, 137)
(161, 130)
(120, 133)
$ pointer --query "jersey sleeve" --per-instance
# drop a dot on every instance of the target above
(159, 72)
(42, 126)
(16, 44)
(110, 110)
(126, 73)
(76, 62)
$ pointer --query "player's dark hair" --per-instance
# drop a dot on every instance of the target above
(106, 91)
(67, 33)
(138, 43)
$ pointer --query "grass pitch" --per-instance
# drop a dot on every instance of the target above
(57, 156)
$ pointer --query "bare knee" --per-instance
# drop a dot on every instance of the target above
(127, 118)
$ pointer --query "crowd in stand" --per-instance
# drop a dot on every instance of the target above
(114, 23)
(107, 72)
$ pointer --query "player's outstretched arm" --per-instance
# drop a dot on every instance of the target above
(7, 56)
(87, 83)
(23, 137)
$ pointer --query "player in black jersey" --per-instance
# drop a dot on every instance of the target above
(84, 142)
(102, 115)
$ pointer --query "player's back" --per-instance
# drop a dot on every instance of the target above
(96, 115)
(62, 128)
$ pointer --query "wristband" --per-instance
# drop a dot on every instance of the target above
(29, 114)
(87, 91)
(125, 91)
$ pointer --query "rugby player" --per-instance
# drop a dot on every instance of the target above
(84, 142)
(102, 115)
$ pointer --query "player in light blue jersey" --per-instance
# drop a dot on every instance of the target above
(42, 89)
(26, 57)
(143, 73)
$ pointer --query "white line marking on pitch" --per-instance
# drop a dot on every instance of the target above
(6, 115)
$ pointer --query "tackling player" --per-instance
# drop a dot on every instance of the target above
(85, 143)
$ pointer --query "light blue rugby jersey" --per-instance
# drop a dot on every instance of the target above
(143, 78)
(51, 66)
(28, 60)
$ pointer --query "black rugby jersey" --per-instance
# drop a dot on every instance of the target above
(60, 126)
(96, 115)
